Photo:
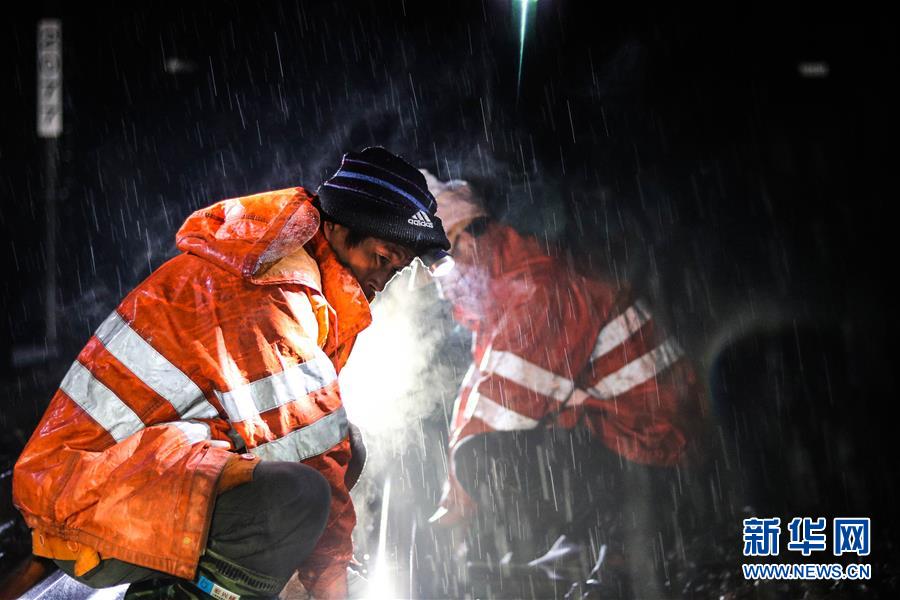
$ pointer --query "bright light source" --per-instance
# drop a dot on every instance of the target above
(380, 586)
(523, 20)
(442, 267)
(382, 383)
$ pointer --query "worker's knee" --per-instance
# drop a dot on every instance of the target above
(307, 494)
(294, 480)
(271, 523)
(296, 496)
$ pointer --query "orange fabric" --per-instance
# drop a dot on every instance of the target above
(218, 317)
(523, 300)
(237, 471)
(48, 546)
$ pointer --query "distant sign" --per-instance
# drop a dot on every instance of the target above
(49, 79)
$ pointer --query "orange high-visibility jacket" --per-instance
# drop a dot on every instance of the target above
(242, 334)
(548, 340)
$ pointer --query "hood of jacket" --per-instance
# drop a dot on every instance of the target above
(273, 238)
(247, 235)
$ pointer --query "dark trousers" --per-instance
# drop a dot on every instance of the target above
(539, 483)
(266, 527)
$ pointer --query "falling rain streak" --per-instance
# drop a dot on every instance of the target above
(733, 180)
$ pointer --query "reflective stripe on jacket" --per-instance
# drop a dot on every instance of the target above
(548, 340)
(241, 335)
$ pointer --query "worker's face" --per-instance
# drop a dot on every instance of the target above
(373, 262)
(466, 285)
(464, 249)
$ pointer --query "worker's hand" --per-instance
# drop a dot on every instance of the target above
(357, 457)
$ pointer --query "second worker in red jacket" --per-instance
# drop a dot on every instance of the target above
(555, 355)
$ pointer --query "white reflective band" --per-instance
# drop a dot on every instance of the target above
(308, 441)
(100, 402)
(249, 400)
(468, 380)
(151, 367)
(620, 329)
(526, 374)
(638, 371)
(194, 431)
(499, 417)
(471, 401)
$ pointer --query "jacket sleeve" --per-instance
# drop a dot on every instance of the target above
(535, 353)
(125, 428)
(640, 388)
(324, 572)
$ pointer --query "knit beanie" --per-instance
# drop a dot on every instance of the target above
(457, 204)
(377, 193)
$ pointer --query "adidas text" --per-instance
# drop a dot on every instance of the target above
(421, 219)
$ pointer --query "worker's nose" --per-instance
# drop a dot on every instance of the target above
(380, 280)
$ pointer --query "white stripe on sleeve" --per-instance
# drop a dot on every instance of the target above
(499, 417)
(620, 329)
(638, 371)
(309, 441)
(250, 399)
(151, 367)
(100, 402)
(527, 374)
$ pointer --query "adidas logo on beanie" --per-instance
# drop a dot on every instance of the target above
(377, 193)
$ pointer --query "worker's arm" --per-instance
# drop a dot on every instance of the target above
(537, 349)
(125, 429)
(524, 376)
(292, 410)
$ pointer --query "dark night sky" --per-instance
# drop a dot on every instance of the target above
(711, 166)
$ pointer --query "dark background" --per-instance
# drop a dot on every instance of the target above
(752, 203)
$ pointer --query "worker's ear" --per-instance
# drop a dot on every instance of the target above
(465, 248)
(327, 229)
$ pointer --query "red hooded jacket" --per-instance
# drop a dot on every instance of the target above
(241, 335)
(554, 347)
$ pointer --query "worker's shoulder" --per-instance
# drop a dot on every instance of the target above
(189, 278)
(292, 193)
(189, 267)
(204, 291)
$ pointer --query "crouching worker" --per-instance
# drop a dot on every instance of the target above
(198, 445)
(578, 409)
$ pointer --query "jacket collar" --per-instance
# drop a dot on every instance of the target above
(341, 290)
